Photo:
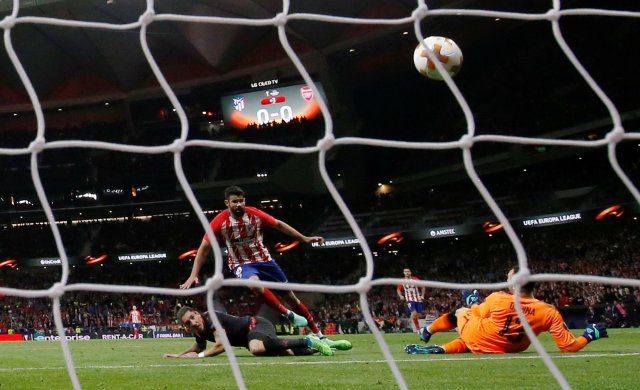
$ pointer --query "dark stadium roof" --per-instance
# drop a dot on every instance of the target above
(516, 79)
(70, 65)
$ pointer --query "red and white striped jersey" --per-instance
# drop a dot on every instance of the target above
(243, 236)
(411, 291)
(135, 317)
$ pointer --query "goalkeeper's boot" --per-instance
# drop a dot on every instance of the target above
(297, 320)
(321, 346)
(341, 345)
(410, 348)
(425, 335)
(415, 349)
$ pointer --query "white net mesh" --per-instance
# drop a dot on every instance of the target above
(421, 12)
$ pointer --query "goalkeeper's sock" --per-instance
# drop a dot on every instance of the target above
(441, 324)
(455, 346)
(273, 302)
(303, 311)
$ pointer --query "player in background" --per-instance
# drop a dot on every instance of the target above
(256, 334)
(135, 319)
(240, 228)
(494, 327)
(413, 295)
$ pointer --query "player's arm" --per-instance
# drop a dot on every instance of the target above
(399, 291)
(290, 231)
(483, 309)
(201, 255)
(215, 350)
(566, 341)
(199, 350)
(191, 352)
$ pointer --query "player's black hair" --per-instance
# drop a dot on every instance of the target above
(233, 190)
(528, 287)
(183, 310)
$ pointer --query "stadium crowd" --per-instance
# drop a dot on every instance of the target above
(591, 250)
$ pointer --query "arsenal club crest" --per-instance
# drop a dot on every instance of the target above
(307, 93)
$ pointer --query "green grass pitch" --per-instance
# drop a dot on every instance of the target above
(138, 364)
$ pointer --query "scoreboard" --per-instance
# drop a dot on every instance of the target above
(271, 105)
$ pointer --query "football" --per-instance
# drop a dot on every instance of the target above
(444, 50)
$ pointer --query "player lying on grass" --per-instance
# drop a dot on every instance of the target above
(240, 228)
(256, 334)
(494, 327)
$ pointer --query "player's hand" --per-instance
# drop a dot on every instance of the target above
(189, 355)
(595, 332)
(401, 298)
(470, 297)
(170, 355)
(189, 282)
(318, 239)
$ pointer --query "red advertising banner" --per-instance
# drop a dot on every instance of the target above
(11, 337)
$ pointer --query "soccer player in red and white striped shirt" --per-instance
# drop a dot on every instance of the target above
(240, 227)
(135, 319)
(414, 297)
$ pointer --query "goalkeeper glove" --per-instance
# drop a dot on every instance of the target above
(595, 332)
(470, 297)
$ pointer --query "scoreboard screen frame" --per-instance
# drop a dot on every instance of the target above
(271, 105)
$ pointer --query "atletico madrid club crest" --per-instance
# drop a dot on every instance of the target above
(238, 103)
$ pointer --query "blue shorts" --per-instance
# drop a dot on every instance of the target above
(268, 271)
(416, 306)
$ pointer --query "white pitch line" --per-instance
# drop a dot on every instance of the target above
(222, 364)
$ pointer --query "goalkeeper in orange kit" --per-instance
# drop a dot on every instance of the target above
(494, 326)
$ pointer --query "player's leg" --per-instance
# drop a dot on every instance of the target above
(414, 318)
(302, 351)
(263, 340)
(252, 272)
(416, 308)
(454, 346)
(296, 304)
(443, 323)
(460, 319)
(270, 271)
(268, 345)
(475, 335)
(293, 301)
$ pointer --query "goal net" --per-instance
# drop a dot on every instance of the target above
(548, 82)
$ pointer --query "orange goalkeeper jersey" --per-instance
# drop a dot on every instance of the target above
(494, 327)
